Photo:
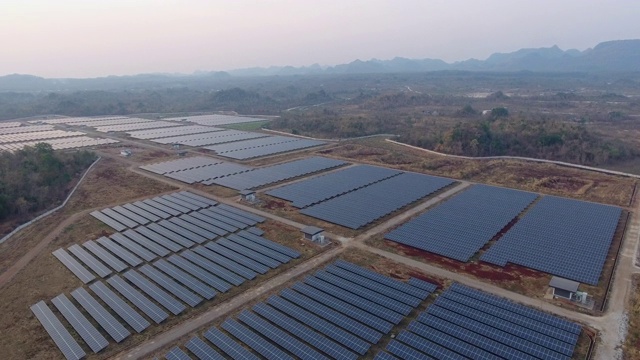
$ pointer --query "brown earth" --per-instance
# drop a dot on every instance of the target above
(631, 346)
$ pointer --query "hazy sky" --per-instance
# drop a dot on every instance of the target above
(86, 38)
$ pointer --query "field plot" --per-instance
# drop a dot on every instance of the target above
(360, 207)
(216, 120)
(467, 323)
(461, 226)
(563, 237)
(339, 312)
(263, 176)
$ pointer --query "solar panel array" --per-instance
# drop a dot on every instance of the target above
(60, 144)
(209, 138)
(462, 225)
(276, 173)
(171, 131)
(188, 163)
(215, 120)
(5, 124)
(563, 237)
(25, 129)
(129, 126)
(339, 318)
(60, 335)
(248, 149)
(467, 323)
(91, 121)
(365, 205)
(320, 188)
(146, 279)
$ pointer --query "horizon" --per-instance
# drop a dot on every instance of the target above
(76, 39)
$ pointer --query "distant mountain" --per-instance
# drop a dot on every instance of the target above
(610, 56)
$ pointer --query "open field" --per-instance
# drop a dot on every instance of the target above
(45, 278)
(543, 178)
(631, 346)
(139, 154)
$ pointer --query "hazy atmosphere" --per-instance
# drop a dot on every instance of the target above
(73, 38)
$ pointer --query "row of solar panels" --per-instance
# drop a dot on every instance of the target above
(563, 237)
(466, 323)
(368, 204)
(263, 176)
(152, 210)
(90, 121)
(321, 188)
(12, 124)
(135, 126)
(462, 225)
(183, 164)
(254, 152)
(25, 129)
(60, 144)
(215, 120)
(185, 278)
(39, 135)
(171, 131)
(339, 313)
(213, 136)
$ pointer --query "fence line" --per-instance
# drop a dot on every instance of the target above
(41, 216)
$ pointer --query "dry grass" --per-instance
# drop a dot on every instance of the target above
(631, 345)
(45, 278)
(537, 177)
(139, 154)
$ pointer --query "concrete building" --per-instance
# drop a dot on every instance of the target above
(564, 288)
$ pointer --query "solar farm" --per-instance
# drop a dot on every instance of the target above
(406, 265)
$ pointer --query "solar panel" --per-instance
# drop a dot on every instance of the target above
(157, 294)
(254, 255)
(344, 307)
(279, 337)
(331, 315)
(184, 278)
(176, 238)
(259, 248)
(168, 284)
(109, 221)
(449, 342)
(427, 347)
(89, 260)
(176, 354)
(159, 239)
(240, 259)
(153, 210)
(162, 207)
(212, 221)
(201, 350)
(119, 218)
(384, 356)
(204, 234)
(311, 337)
(136, 298)
(226, 344)
(148, 244)
(200, 198)
(130, 215)
(133, 247)
(256, 231)
(320, 325)
(58, 333)
(120, 307)
(221, 218)
(359, 301)
(204, 225)
(405, 352)
(80, 324)
(184, 233)
(233, 216)
(374, 286)
(269, 244)
(141, 212)
(191, 200)
(254, 341)
(199, 273)
(100, 315)
(421, 284)
(105, 256)
(364, 292)
(226, 263)
(119, 251)
(212, 267)
(178, 201)
(366, 205)
(243, 213)
(557, 226)
(170, 204)
(463, 224)
(74, 266)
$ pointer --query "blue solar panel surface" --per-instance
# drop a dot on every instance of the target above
(462, 225)
(152, 310)
(320, 188)
(363, 206)
(80, 324)
(120, 307)
(254, 341)
(109, 323)
(58, 333)
(563, 237)
(202, 351)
